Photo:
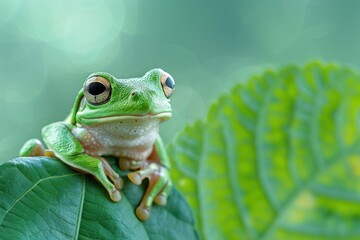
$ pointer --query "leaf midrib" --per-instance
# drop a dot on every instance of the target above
(81, 206)
(202, 223)
(232, 178)
(259, 126)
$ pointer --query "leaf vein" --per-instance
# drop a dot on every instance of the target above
(29, 190)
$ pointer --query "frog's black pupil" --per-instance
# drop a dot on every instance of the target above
(96, 88)
(170, 82)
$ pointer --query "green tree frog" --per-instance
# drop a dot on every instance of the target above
(116, 117)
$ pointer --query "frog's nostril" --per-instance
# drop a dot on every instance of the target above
(135, 94)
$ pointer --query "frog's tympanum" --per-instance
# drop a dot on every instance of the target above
(120, 118)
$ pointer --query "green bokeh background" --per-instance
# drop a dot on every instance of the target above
(48, 48)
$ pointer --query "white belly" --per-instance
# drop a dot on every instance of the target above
(130, 138)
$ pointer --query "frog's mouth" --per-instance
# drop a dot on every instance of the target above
(107, 119)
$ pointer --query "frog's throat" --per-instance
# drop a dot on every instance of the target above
(100, 120)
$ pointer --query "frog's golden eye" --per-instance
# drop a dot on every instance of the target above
(168, 84)
(97, 90)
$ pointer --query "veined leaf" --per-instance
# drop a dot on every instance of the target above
(42, 198)
(277, 158)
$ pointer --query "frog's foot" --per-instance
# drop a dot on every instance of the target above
(143, 212)
(31, 148)
(157, 191)
(137, 176)
(126, 164)
(115, 178)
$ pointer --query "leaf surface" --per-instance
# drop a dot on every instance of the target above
(42, 198)
(276, 158)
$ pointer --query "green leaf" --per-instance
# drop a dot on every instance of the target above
(277, 158)
(42, 198)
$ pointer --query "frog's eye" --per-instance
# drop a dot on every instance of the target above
(168, 84)
(97, 90)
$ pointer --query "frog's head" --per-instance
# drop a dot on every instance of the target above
(105, 98)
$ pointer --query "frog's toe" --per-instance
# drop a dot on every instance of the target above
(124, 164)
(161, 199)
(115, 195)
(119, 183)
(143, 213)
(135, 178)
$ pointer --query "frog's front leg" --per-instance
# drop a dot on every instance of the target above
(68, 149)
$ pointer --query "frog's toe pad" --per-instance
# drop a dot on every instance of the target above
(160, 199)
(135, 178)
(115, 195)
(143, 213)
(124, 164)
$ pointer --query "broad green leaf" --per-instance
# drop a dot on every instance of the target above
(42, 198)
(277, 158)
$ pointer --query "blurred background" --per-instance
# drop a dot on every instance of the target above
(48, 48)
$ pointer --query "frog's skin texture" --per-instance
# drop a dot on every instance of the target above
(116, 117)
